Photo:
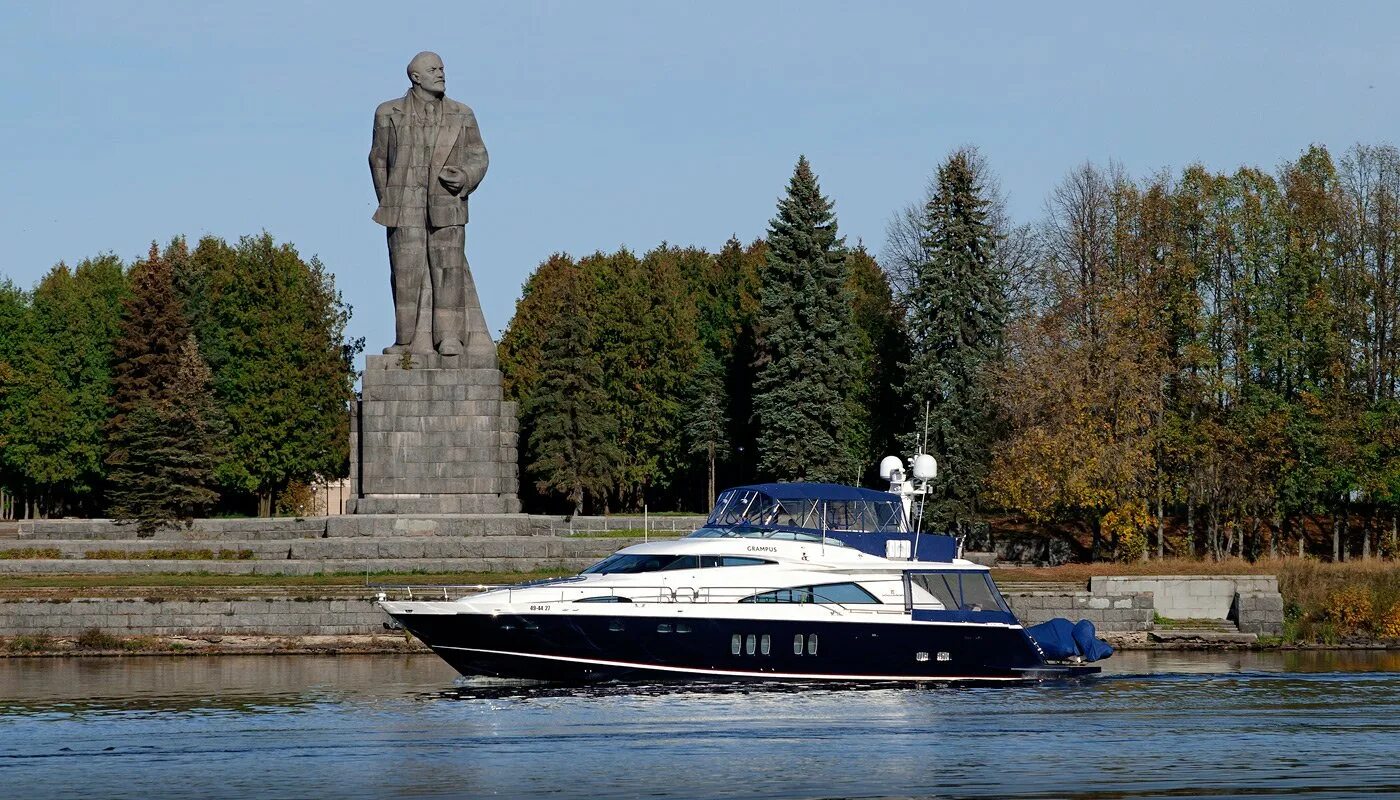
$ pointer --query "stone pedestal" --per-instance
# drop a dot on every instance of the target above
(432, 435)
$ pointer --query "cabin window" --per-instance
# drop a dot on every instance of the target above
(735, 642)
(663, 628)
(843, 593)
(681, 627)
(797, 645)
(731, 561)
(627, 564)
(954, 591)
(800, 594)
(765, 645)
(840, 593)
(811, 644)
(978, 594)
(749, 642)
(610, 598)
(615, 625)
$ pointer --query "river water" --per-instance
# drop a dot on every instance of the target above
(1154, 725)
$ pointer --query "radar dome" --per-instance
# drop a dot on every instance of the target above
(889, 466)
(925, 467)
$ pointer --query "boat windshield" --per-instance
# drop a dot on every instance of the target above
(751, 532)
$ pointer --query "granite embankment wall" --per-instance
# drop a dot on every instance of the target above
(1114, 613)
(1252, 602)
(347, 615)
(206, 617)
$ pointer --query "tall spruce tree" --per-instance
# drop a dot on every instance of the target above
(162, 433)
(571, 446)
(706, 422)
(957, 310)
(806, 366)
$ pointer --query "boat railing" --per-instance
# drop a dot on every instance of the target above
(543, 595)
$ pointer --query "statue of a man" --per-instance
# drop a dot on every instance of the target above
(426, 158)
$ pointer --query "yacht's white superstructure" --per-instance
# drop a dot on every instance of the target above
(810, 581)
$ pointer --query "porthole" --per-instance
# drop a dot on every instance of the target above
(797, 645)
(735, 643)
(765, 645)
(750, 644)
(682, 627)
(663, 628)
(615, 625)
(811, 644)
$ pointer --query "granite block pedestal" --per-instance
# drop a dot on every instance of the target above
(432, 434)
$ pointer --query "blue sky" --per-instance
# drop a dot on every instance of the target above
(615, 123)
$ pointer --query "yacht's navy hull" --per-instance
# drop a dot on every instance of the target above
(592, 648)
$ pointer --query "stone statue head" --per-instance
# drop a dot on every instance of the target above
(425, 71)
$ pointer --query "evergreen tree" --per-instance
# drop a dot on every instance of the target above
(572, 436)
(538, 309)
(957, 311)
(882, 350)
(806, 366)
(739, 268)
(706, 424)
(162, 434)
(649, 348)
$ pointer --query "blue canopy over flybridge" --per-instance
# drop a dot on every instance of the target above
(866, 519)
(814, 506)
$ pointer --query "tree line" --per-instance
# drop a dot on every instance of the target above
(1190, 363)
(217, 378)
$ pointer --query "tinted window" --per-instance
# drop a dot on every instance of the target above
(978, 594)
(937, 590)
(641, 563)
(800, 594)
(842, 593)
(606, 599)
(731, 561)
(953, 591)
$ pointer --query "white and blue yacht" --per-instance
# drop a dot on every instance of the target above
(785, 581)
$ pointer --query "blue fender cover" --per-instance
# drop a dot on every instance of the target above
(1061, 639)
(1090, 645)
(1056, 638)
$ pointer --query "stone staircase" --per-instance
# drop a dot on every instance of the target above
(318, 545)
(1199, 631)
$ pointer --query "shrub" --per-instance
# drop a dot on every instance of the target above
(1388, 625)
(31, 552)
(1349, 609)
(297, 500)
(1127, 525)
(31, 643)
(97, 639)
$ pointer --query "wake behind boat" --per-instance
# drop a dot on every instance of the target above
(786, 581)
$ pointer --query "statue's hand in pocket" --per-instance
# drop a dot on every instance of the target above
(454, 178)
